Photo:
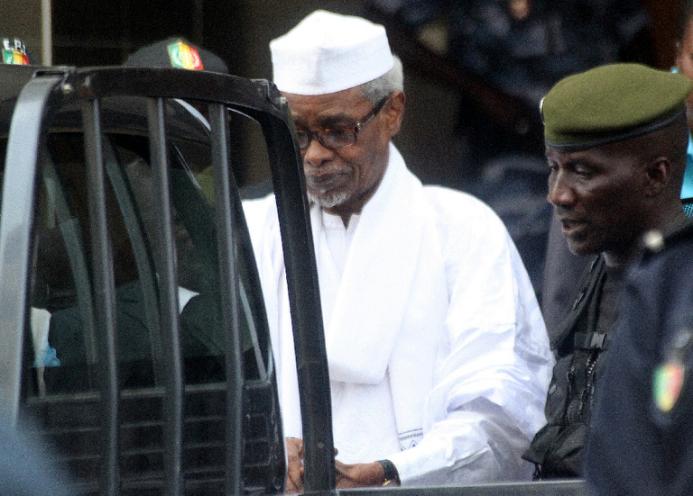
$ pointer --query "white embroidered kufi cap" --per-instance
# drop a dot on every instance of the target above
(328, 52)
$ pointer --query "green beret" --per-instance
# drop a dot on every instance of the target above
(611, 103)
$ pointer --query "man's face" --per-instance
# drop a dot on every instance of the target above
(597, 196)
(341, 180)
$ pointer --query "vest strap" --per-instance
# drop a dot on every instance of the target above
(590, 340)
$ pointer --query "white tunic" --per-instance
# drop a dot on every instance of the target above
(438, 356)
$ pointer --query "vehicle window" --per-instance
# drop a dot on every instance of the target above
(62, 268)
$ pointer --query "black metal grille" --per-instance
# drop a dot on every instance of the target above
(219, 437)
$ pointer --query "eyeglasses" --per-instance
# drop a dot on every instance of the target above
(338, 137)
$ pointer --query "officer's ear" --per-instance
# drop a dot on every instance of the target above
(657, 176)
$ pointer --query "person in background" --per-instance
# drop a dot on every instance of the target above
(517, 49)
(641, 432)
(62, 324)
(437, 353)
(616, 139)
(176, 52)
(642, 429)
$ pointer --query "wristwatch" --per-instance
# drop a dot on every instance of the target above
(391, 474)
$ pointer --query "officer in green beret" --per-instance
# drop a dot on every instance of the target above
(616, 139)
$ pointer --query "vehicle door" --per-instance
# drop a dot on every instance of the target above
(135, 339)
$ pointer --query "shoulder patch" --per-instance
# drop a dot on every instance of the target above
(669, 376)
(666, 385)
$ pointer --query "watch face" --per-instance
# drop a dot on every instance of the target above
(391, 476)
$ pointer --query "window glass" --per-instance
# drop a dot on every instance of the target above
(62, 382)
(62, 278)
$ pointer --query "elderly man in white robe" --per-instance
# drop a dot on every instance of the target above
(438, 357)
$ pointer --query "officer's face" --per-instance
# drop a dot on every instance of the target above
(341, 180)
(597, 196)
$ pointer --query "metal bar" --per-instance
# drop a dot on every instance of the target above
(104, 296)
(72, 237)
(46, 33)
(146, 273)
(166, 256)
(18, 201)
(243, 94)
(304, 303)
(558, 487)
(229, 290)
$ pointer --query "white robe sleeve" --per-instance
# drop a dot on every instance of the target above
(263, 227)
(491, 380)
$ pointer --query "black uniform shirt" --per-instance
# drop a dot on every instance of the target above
(641, 439)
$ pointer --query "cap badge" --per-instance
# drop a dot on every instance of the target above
(184, 56)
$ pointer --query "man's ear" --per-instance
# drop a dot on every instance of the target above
(394, 112)
(657, 176)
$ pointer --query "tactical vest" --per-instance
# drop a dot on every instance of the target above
(580, 350)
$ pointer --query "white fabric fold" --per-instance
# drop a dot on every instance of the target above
(385, 312)
(374, 291)
(387, 309)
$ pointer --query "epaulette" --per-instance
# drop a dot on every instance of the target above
(655, 241)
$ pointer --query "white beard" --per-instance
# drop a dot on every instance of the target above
(329, 200)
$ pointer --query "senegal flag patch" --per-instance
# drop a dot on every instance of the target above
(14, 52)
(667, 384)
(184, 56)
(669, 376)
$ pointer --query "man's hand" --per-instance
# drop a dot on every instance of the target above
(359, 474)
(294, 470)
